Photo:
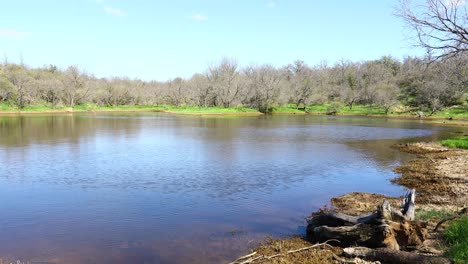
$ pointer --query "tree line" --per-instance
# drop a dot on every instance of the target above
(438, 80)
(386, 82)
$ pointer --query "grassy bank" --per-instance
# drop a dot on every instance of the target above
(185, 110)
(195, 110)
(456, 113)
(44, 108)
(458, 142)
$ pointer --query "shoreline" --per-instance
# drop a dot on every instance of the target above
(457, 121)
(440, 176)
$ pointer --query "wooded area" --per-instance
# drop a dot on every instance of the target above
(386, 82)
(438, 80)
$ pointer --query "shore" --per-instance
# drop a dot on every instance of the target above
(442, 119)
(440, 176)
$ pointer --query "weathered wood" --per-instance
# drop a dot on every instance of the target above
(408, 206)
(383, 211)
(339, 219)
(386, 227)
(386, 255)
(359, 234)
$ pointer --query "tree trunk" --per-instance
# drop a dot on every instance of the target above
(386, 227)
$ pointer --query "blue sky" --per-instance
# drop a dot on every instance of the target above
(159, 40)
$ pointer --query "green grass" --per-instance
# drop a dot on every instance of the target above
(456, 235)
(4, 106)
(432, 214)
(29, 108)
(458, 142)
(94, 107)
(83, 107)
(287, 110)
(454, 112)
(208, 110)
(344, 110)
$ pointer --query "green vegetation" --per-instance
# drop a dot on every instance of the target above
(94, 107)
(287, 109)
(385, 86)
(196, 110)
(432, 214)
(370, 110)
(90, 107)
(456, 235)
(340, 109)
(453, 112)
(320, 109)
(458, 142)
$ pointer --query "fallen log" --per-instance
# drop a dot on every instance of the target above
(386, 255)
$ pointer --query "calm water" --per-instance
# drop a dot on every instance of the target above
(158, 188)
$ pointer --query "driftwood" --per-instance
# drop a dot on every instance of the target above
(381, 234)
(386, 227)
(386, 255)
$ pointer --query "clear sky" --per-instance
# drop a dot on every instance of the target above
(159, 40)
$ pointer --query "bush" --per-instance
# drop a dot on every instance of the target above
(333, 108)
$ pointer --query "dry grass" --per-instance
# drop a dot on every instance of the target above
(439, 174)
(280, 248)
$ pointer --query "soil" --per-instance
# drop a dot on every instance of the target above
(440, 176)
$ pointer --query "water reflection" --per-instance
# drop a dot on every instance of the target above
(157, 188)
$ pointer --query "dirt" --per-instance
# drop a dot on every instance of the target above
(281, 251)
(440, 176)
(357, 203)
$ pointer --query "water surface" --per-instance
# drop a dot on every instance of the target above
(160, 188)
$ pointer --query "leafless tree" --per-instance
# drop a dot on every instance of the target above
(263, 83)
(75, 86)
(19, 77)
(299, 77)
(225, 82)
(177, 94)
(202, 92)
(441, 26)
(386, 95)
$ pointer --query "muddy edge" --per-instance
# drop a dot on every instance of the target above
(440, 176)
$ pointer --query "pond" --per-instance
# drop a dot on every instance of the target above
(161, 188)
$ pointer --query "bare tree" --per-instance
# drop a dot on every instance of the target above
(351, 91)
(176, 93)
(441, 25)
(225, 82)
(19, 77)
(386, 95)
(75, 86)
(263, 83)
(299, 77)
(202, 91)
